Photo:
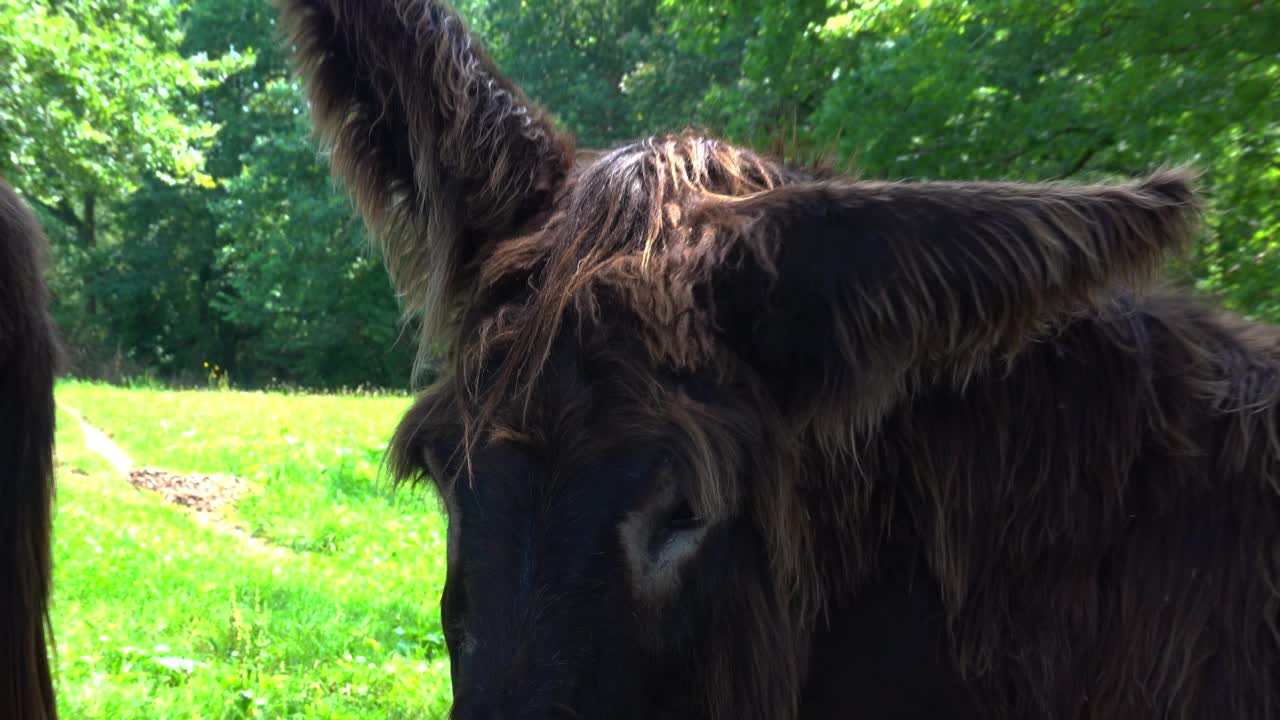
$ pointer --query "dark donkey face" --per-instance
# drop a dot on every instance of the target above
(544, 609)
(665, 363)
(590, 572)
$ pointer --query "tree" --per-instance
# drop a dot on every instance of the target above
(97, 100)
(96, 97)
(271, 262)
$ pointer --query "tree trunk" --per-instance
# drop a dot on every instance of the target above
(88, 232)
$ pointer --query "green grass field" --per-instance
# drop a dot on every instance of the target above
(330, 612)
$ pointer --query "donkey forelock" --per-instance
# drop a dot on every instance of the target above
(620, 239)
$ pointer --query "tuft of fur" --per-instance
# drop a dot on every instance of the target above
(28, 360)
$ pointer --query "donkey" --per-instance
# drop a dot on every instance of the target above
(29, 357)
(723, 438)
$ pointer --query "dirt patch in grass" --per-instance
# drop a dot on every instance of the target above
(202, 493)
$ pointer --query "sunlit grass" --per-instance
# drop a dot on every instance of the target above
(333, 613)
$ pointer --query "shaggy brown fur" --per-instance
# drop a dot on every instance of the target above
(28, 360)
(1091, 476)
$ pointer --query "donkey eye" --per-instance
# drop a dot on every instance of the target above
(682, 518)
(675, 534)
(659, 539)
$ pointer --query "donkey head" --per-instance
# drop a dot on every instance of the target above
(663, 361)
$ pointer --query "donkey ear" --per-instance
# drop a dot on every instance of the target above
(441, 154)
(831, 288)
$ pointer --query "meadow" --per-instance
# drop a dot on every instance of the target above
(314, 596)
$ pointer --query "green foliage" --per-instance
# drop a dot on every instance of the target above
(213, 233)
(300, 282)
(600, 68)
(323, 606)
(96, 96)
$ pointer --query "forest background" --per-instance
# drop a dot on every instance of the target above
(197, 236)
